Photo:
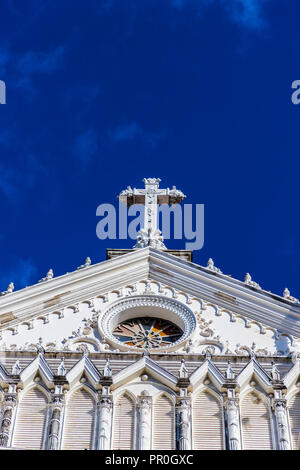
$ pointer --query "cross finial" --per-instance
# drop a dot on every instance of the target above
(151, 197)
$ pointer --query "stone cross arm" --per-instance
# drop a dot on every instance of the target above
(162, 196)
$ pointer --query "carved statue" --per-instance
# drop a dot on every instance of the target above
(183, 372)
(282, 425)
(105, 405)
(55, 422)
(9, 404)
(144, 423)
(61, 370)
(107, 369)
(229, 371)
(275, 372)
(183, 412)
(233, 424)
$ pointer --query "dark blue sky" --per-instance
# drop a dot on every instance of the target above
(101, 94)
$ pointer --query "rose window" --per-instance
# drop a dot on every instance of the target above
(147, 332)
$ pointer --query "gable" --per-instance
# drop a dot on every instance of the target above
(63, 314)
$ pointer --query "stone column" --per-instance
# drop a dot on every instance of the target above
(105, 407)
(55, 422)
(10, 401)
(279, 407)
(145, 405)
(233, 423)
(184, 423)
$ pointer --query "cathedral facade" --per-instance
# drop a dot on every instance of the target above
(147, 350)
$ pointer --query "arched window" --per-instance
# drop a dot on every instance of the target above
(123, 424)
(164, 424)
(256, 423)
(79, 421)
(208, 428)
(30, 426)
(294, 414)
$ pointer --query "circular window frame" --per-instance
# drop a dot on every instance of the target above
(147, 306)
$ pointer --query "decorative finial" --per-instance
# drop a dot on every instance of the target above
(183, 372)
(211, 266)
(86, 263)
(107, 369)
(287, 296)
(61, 370)
(207, 353)
(49, 276)
(252, 351)
(248, 281)
(9, 290)
(16, 368)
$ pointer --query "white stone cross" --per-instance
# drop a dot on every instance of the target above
(151, 196)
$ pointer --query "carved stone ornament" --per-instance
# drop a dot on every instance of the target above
(48, 277)
(86, 263)
(9, 290)
(248, 281)
(211, 266)
(287, 296)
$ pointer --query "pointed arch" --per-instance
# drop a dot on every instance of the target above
(256, 422)
(78, 432)
(294, 418)
(208, 422)
(164, 432)
(31, 420)
(124, 423)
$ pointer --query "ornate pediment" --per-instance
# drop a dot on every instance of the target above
(212, 312)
